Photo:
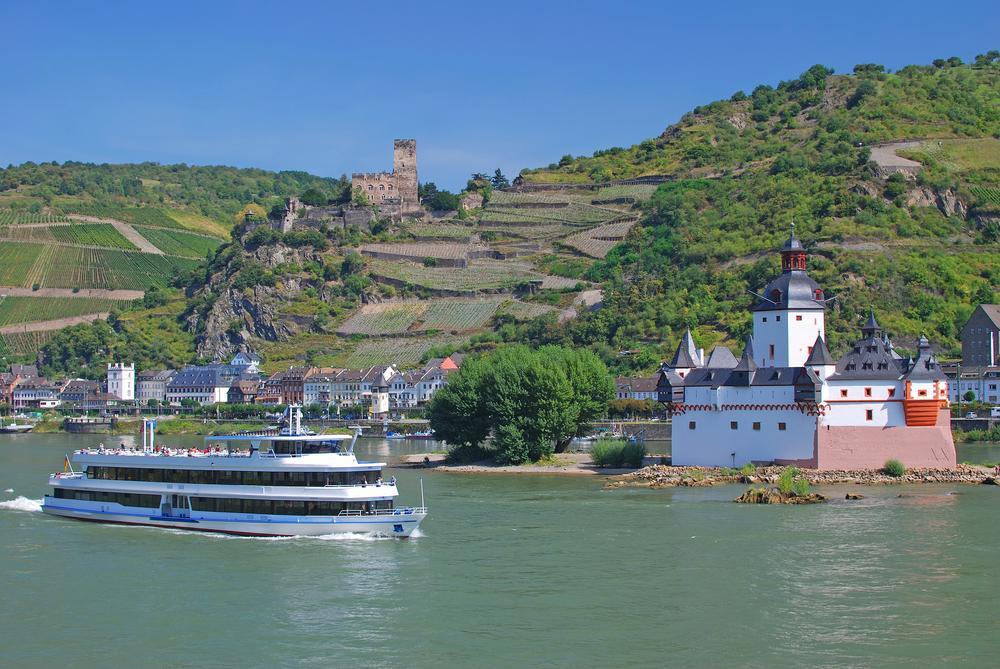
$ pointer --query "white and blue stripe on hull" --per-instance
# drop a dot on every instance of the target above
(400, 523)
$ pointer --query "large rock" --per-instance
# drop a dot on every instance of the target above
(775, 496)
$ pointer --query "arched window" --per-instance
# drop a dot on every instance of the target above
(819, 294)
(370, 187)
(776, 295)
(382, 187)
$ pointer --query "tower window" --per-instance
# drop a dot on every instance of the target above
(869, 414)
(892, 392)
(781, 427)
(771, 351)
(843, 392)
(691, 424)
(756, 426)
(733, 425)
(777, 318)
(868, 392)
(798, 318)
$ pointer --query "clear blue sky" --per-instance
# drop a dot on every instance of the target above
(325, 86)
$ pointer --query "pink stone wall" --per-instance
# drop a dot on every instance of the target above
(869, 447)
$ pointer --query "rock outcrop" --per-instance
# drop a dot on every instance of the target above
(775, 496)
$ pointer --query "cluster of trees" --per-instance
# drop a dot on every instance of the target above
(214, 191)
(532, 401)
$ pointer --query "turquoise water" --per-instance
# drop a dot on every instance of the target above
(513, 571)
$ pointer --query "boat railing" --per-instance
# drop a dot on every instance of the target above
(67, 475)
(398, 511)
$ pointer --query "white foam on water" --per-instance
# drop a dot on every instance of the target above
(9, 490)
(22, 504)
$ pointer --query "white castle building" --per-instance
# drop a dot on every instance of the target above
(787, 401)
(121, 381)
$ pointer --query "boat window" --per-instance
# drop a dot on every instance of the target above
(125, 499)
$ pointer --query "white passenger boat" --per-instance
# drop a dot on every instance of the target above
(286, 483)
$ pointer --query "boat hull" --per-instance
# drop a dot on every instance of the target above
(401, 525)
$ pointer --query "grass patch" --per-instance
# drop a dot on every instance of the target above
(617, 453)
(894, 468)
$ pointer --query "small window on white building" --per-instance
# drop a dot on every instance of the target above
(733, 425)
(691, 424)
(843, 392)
(798, 318)
(756, 426)
(781, 427)
(869, 414)
(868, 392)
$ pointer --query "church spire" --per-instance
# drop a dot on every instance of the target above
(871, 329)
(793, 254)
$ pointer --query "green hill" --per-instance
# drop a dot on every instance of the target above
(922, 248)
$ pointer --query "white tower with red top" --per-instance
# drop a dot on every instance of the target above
(789, 315)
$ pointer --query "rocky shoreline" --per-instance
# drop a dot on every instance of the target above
(666, 476)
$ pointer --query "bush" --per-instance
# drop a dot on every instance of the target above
(786, 481)
(749, 469)
(617, 453)
(801, 486)
(894, 468)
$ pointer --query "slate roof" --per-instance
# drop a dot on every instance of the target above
(721, 358)
(24, 371)
(820, 354)
(871, 358)
(686, 356)
(925, 367)
(992, 312)
(792, 289)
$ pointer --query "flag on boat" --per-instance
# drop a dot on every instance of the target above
(66, 465)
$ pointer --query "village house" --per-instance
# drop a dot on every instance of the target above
(636, 388)
(37, 393)
(152, 385)
(8, 382)
(788, 401)
(77, 390)
(244, 391)
(977, 378)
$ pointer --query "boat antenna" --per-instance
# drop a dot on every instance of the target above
(422, 492)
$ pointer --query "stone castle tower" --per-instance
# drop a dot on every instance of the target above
(389, 190)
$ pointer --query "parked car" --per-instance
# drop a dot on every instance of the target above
(972, 414)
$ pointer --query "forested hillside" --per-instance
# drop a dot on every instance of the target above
(921, 247)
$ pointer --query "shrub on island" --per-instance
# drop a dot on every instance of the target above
(617, 453)
(894, 468)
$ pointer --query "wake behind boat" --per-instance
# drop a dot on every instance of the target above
(288, 483)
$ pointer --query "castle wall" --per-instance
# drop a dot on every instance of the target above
(713, 442)
(863, 447)
(853, 409)
(396, 189)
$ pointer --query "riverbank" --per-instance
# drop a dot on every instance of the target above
(666, 476)
(562, 463)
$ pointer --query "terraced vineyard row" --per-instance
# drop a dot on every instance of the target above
(443, 230)
(29, 309)
(134, 215)
(597, 242)
(382, 319)
(405, 351)
(479, 275)
(24, 343)
(419, 250)
(11, 217)
(23, 264)
(92, 234)
(987, 196)
(177, 243)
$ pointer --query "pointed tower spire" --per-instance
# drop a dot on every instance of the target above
(820, 355)
(746, 363)
(686, 356)
(871, 328)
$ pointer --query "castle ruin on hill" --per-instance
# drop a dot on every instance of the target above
(396, 190)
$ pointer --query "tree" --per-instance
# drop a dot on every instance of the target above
(969, 396)
(441, 200)
(532, 401)
(499, 180)
(314, 197)
(353, 263)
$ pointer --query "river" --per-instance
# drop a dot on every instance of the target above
(513, 571)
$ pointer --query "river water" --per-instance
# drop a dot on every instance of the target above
(513, 571)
